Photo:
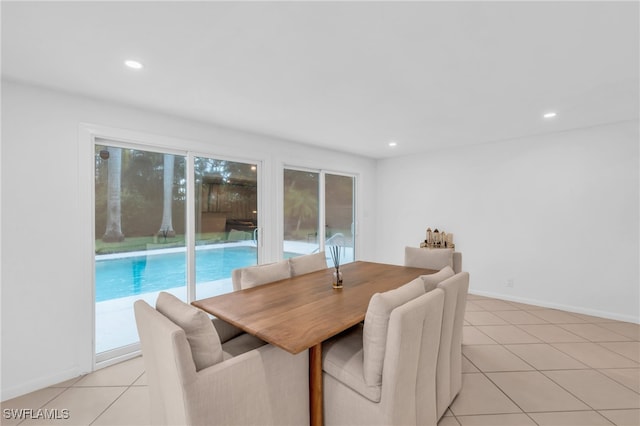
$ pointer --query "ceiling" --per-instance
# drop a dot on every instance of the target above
(350, 76)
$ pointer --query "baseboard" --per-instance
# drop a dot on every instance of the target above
(40, 383)
(568, 308)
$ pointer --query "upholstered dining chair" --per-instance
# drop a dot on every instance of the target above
(449, 372)
(253, 276)
(308, 263)
(195, 379)
(374, 373)
(433, 258)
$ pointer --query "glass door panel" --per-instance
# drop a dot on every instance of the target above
(301, 213)
(226, 222)
(339, 214)
(140, 236)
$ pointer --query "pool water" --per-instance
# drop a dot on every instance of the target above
(129, 276)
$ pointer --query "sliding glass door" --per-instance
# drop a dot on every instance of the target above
(339, 214)
(165, 221)
(226, 222)
(140, 236)
(318, 211)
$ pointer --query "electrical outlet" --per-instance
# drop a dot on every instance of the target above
(510, 282)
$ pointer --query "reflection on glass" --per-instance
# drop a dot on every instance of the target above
(226, 208)
(339, 214)
(301, 192)
(139, 228)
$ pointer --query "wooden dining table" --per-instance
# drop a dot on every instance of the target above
(301, 312)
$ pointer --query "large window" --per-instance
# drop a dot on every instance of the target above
(147, 240)
(318, 211)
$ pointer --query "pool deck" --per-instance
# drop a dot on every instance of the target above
(115, 321)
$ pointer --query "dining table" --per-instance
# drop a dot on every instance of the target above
(302, 311)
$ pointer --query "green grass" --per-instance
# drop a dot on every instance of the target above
(140, 243)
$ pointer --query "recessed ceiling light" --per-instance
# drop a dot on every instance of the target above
(550, 115)
(133, 64)
(393, 143)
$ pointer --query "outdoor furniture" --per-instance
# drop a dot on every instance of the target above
(301, 312)
(403, 389)
(193, 380)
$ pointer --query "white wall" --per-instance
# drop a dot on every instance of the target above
(46, 303)
(556, 213)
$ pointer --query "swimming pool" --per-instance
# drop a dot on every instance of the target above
(129, 276)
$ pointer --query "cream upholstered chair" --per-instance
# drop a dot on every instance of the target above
(449, 371)
(384, 372)
(433, 258)
(308, 263)
(252, 276)
(194, 380)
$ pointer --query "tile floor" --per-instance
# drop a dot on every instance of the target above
(522, 365)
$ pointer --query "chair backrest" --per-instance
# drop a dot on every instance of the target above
(449, 373)
(409, 374)
(308, 263)
(168, 364)
(433, 258)
(252, 276)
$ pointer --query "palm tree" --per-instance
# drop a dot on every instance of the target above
(113, 232)
(166, 228)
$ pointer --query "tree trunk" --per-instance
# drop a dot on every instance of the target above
(113, 232)
(166, 228)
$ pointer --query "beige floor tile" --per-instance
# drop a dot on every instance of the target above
(556, 317)
(483, 318)
(625, 328)
(594, 355)
(533, 391)
(497, 420)
(494, 358)
(519, 317)
(629, 349)
(550, 333)
(471, 306)
(132, 408)
(623, 417)
(594, 333)
(495, 305)
(122, 374)
(480, 396)
(592, 319)
(84, 405)
(67, 383)
(30, 401)
(545, 357)
(507, 334)
(527, 307)
(630, 377)
(477, 297)
(468, 367)
(595, 389)
(448, 421)
(142, 380)
(472, 336)
(572, 418)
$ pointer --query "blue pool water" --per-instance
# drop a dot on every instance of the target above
(130, 276)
